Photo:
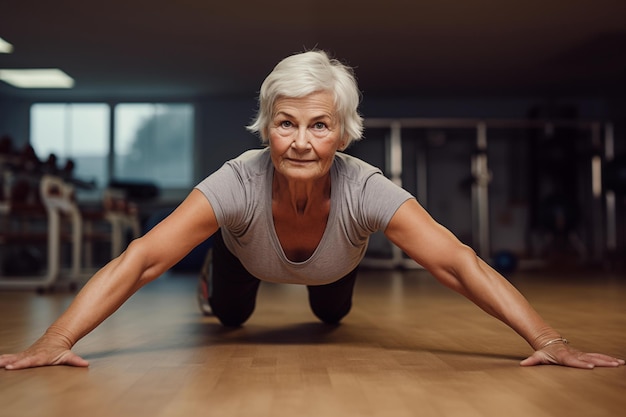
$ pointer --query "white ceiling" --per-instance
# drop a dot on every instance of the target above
(189, 48)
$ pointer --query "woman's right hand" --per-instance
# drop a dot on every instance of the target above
(46, 351)
(145, 259)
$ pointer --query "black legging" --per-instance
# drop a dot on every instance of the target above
(233, 290)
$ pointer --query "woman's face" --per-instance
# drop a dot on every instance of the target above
(304, 135)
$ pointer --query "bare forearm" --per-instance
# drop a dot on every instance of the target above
(456, 266)
(103, 294)
(494, 294)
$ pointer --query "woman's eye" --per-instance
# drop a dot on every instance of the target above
(285, 124)
(319, 126)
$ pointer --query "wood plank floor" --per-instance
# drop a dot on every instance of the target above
(409, 348)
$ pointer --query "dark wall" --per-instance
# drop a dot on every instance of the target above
(221, 135)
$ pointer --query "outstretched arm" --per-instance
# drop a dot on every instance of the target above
(456, 266)
(144, 260)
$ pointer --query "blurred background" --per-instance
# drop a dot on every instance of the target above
(505, 119)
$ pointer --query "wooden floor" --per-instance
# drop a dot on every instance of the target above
(408, 348)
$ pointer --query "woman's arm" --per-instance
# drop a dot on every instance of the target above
(456, 266)
(144, 260)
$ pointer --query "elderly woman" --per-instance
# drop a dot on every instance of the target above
(297, 211)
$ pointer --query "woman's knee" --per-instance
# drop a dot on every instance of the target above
(229, 316)
(332, 302)
(232, 320)
(330, 315)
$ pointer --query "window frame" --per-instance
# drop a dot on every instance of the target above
(166, 193)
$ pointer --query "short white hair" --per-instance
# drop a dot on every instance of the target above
(305, 73)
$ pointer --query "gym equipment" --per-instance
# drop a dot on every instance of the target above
(57, 207)
(600, 223)
(51, 211)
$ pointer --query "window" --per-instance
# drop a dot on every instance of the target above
(154, 142)
(73, 131)
(151, 142)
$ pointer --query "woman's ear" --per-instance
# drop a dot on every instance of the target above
(344, 143)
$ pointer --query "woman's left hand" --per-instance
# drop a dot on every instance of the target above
(563, 354)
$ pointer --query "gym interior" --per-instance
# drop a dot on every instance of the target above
(506, 122)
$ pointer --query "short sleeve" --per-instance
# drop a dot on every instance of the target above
(380, 199)
(225, 189)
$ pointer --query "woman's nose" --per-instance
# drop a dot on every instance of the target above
(301, 139)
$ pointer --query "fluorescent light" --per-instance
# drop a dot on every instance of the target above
(5, 47)
(596, 176)
(36, 78)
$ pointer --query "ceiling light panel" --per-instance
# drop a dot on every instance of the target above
(36, 78)
(5, 47)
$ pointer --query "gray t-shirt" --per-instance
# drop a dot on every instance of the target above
(363, 201)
